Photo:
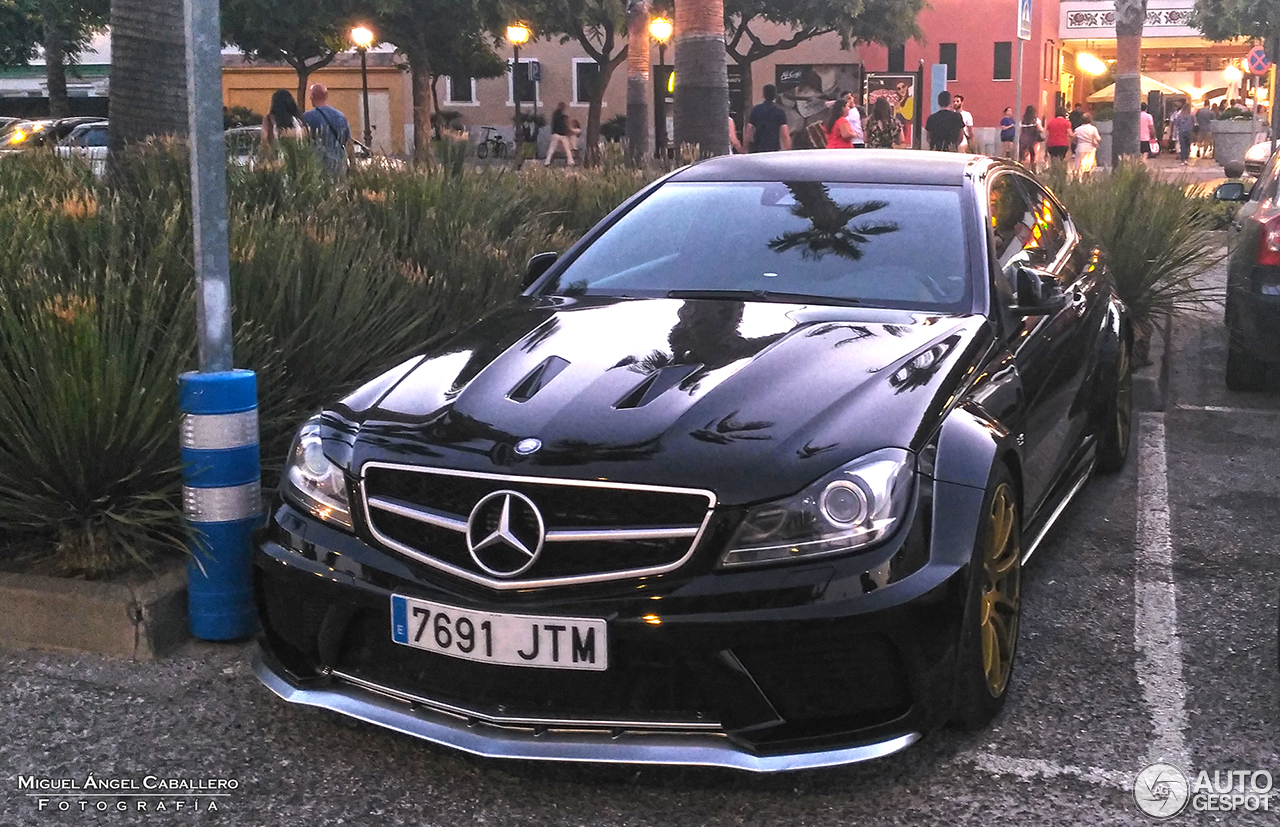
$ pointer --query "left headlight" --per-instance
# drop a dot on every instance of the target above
(855, 507)
(313, 481)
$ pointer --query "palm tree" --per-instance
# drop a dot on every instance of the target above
(702, 83)
(1130, 15)
(148, 70)
(638, 86)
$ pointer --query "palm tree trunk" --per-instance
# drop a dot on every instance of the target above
(702, 84)
(55, 65)
(148, 71)
(1130, 15)
(639, 87)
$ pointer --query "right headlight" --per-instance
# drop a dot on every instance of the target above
(313, 481)
(852, 508)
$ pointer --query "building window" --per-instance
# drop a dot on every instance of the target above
(460, 89)
(528, 88)
(1003, 61)
(898, 58)
(947, 55)
(1051, 56)
(586, 74)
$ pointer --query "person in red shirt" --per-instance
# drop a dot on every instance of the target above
(839, 130)
(1058, 135)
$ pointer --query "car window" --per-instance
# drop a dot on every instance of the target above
(880, 245)
(97, 136)
(1265, 188)
(1012, 223)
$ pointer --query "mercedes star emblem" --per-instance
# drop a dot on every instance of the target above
(505, 533)
(525, 447)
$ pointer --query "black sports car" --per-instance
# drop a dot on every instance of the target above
(745, 478)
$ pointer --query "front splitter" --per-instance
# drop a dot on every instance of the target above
(588, 746)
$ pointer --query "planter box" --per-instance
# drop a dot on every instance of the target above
(1104, 147)
(1231, 139)
(142, 617)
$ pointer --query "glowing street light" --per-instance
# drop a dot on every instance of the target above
(1233, 73)
(362, 36)
(518, 34)
(660, 29)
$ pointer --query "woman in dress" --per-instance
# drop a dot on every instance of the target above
(839, 130)
(1087, 140)
(283, 120)
(882, 128)
(1030, 138)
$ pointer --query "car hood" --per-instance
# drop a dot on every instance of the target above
(751, 400)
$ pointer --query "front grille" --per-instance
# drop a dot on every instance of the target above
(592, 531)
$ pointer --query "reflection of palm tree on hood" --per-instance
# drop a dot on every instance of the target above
(832, 229)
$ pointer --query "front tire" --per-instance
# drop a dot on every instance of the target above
(1117, 425)
(482, 150)
(989, 637)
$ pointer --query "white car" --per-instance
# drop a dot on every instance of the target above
(88, 142)
(1255, 160)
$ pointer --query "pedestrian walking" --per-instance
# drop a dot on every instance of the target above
(1204, 131)
(1183, 124)
(966, 137)
(944, 127)
(882, 128)
(839, 132)
(735, 146)
(1076, 117)
(766, 129)
(1057, 139)
(1032, 135)
(854, 117)
(1147, 133)
(1008, 132)
(283, 120)
(560, 135)
(1087, 140)
(330, 132)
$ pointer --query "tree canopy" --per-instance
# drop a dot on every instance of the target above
(306, 34)
(20, 31)
(1229, 19)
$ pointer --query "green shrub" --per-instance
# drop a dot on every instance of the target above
(332, 283)
(1156, 238)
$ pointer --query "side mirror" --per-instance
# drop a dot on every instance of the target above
(538, 264)
(1231, 191)
(1039, 293)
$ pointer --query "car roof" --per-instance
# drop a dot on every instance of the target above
(872, 166)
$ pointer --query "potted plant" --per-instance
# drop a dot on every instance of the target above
(1233, 134)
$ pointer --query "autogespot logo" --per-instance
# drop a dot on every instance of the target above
(1162, 791)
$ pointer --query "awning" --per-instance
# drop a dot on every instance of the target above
(1148, 85)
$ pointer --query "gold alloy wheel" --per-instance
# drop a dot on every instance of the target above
(1124, 396)
(1001, 589)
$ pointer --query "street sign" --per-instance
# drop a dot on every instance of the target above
(535, 71)
(1024, 19)
(1258, 63)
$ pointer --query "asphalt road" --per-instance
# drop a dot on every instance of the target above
(1149, 633)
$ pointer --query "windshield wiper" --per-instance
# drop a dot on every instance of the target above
(762, 296)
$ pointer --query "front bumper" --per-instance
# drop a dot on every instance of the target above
(796, 667)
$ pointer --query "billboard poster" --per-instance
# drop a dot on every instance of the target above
(900, 89)
(805, 90)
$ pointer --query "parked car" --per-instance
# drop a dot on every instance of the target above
(1253, 278)
(30, 134)
(1255, 159)
(746, 478)
(87, 142)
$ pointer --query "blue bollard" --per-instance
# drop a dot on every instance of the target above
(222, 499)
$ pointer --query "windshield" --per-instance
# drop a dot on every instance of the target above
(878, 245)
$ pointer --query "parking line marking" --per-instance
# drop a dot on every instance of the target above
(1026, 769)
(1227, 409)
(1155, 610)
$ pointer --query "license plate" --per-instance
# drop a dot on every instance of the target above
(506, 639)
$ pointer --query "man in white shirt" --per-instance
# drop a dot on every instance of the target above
(966, 137)
(855, 121)
(1147, 133)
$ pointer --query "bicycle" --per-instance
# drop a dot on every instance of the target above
(500, 147)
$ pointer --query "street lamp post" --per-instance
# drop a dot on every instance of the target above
(363, 38)
(660, 30)
(518, 35)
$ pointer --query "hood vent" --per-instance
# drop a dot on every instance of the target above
(656, 384)
(537, 379)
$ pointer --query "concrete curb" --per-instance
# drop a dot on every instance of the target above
(141, 620)
(1151, 382)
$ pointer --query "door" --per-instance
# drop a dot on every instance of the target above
(380, 120)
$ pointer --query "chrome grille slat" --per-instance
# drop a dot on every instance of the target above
(561, 531)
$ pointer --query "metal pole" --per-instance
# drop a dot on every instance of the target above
(1017, 109)
(659, 103)
(515, 93)
(221, 494)
(364, 86)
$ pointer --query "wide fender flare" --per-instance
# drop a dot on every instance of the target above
(969, 446)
